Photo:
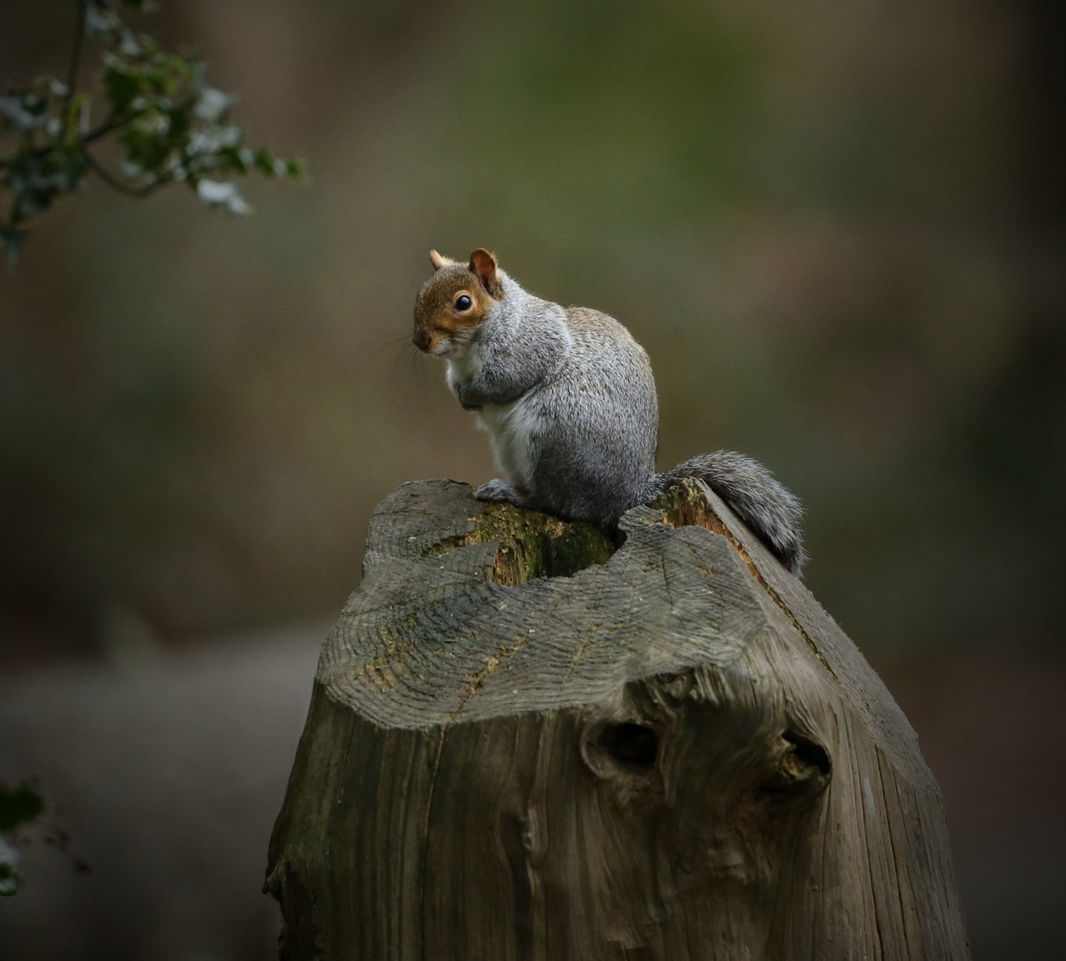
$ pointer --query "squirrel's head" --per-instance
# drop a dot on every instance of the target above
(454, 302)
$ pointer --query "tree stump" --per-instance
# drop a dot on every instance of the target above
(528, 741)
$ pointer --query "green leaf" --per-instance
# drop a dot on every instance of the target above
(212, 105)
(147, 146)
(36, 178)
(9, 875)
(19, 804)
(264, 161)
(100, 21)
(121, 86)
(54, 85)
(11, 241)
(23, 111)
(226, 195)
(71, 128)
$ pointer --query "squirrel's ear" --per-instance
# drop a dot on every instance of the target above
(483, 263)
(439, 260)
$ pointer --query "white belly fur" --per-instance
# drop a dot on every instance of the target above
(511, 428)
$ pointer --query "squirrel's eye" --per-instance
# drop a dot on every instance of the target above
(463, 302)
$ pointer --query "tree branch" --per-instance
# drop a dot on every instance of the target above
(110, 125)
(116, 183)
(75, 61)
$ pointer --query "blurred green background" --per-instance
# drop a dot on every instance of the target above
(837, 229)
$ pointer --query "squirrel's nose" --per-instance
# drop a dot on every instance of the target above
(421, 338)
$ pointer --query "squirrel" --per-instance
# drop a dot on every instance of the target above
(568, 398)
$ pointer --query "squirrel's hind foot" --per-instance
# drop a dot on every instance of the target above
(499, 491)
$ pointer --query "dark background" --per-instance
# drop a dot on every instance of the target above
(837, 229)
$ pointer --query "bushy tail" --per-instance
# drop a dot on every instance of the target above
(772, 512)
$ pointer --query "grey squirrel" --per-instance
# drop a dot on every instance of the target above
(568, 398)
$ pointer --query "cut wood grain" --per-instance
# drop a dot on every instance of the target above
(529, 740)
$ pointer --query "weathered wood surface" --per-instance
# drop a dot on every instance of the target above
(673, 753)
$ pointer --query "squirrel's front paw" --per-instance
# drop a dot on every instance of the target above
(469, 399)
(497, 490)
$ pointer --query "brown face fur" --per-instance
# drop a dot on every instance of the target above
(444, 322)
